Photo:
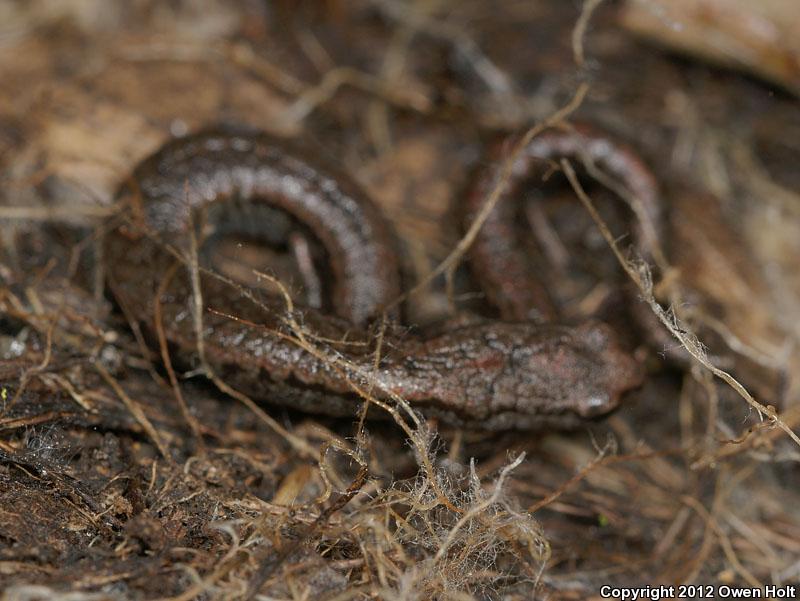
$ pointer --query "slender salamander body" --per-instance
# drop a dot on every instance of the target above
(492, 375)
(499, 257)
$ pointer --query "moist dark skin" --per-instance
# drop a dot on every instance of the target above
(494, 375)
(500, 260)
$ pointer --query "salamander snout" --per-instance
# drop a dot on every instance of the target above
(603, 370)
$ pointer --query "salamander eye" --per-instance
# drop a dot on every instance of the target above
(594, 404)
(594, 335)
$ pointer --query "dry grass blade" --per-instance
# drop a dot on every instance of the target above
(419, 20)
(165, 358)
(641, 277)
(334, 79)
(419, 435)
(598, 460)
(724, 541)
(478, 508)
(193, 267)
(135, 409)
(579, 32)
(451, 261)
